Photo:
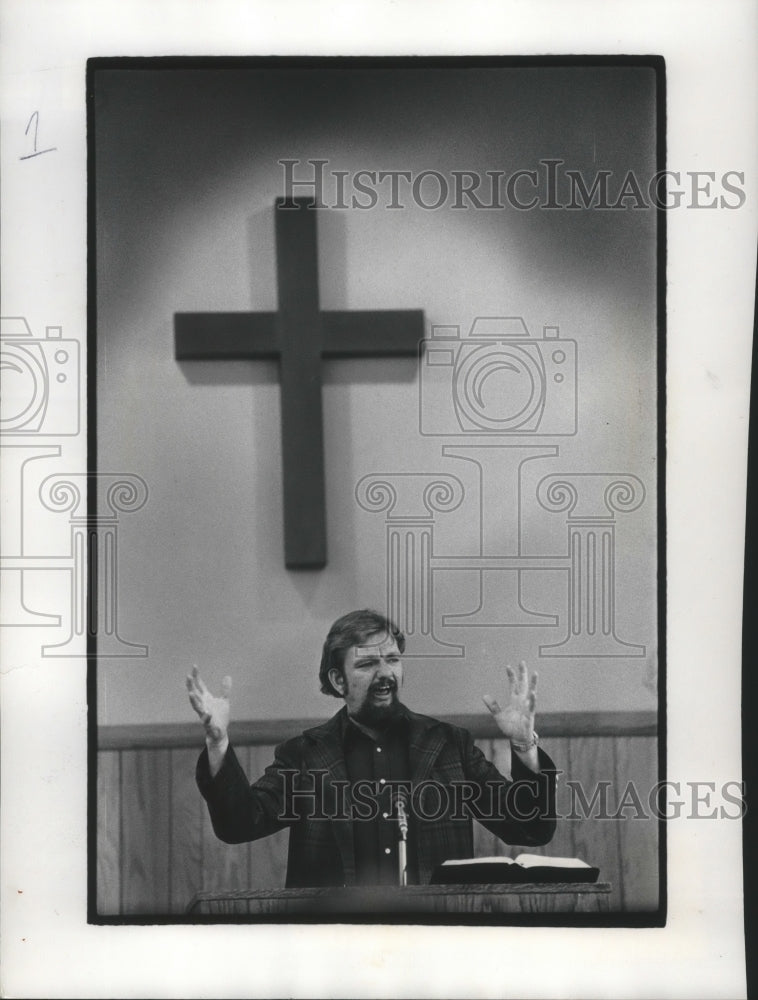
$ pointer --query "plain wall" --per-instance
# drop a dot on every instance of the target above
(186, 175)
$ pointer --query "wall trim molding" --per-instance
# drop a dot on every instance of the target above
(269, 732)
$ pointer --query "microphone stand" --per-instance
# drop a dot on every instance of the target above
(402, 847)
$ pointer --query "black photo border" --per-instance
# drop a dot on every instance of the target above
(647, 918)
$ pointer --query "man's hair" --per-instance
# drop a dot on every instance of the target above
(352, 629)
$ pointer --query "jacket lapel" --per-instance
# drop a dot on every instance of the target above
(426, 739)
(327, 749)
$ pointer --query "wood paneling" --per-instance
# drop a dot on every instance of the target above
(637, 768)
(156, 848)
(145, 798)
(185, 847)
(591, 765)
(108, 833)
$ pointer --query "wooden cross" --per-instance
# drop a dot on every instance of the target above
(299, 335)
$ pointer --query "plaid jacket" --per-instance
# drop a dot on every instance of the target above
(306, 789)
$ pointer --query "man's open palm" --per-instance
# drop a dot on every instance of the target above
(515, 718)
(213, 711)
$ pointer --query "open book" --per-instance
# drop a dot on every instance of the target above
(524, 868)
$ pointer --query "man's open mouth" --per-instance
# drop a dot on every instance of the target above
(383, 690)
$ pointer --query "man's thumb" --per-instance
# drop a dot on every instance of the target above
(491, 704)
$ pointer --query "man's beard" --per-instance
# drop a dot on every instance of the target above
(378, 715)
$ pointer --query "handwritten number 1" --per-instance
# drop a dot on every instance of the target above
(36, 152)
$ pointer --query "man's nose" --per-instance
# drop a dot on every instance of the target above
(385, 669)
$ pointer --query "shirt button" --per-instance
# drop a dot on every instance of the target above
(385, 815)
(378, 749)
(382, 781)
(387, 850)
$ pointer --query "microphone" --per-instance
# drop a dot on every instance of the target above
(402, 847)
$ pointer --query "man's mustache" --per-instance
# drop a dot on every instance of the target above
(389, 683)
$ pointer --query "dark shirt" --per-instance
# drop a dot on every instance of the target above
(378, 764)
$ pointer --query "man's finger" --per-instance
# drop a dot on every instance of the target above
(199, 682)
(226, 687)
(533, 685)
(521, 677)
(531, 701)
(193, 690)
(491, 704)
(196, 703)
(511, 676)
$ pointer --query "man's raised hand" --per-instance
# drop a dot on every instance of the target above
(213, 711)
(516, 718)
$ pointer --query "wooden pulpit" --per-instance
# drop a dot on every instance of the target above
(412, 900)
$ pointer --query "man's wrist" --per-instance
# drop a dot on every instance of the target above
(216, 753)
(529, 758)
(521, 746)
(217, 745)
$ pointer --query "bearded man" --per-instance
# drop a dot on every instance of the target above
(341, 787)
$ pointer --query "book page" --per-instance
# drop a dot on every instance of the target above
(480, 861)
(543, 861)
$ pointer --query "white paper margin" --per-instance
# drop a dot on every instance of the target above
(47, 947)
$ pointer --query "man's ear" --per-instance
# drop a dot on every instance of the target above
(337, 679)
